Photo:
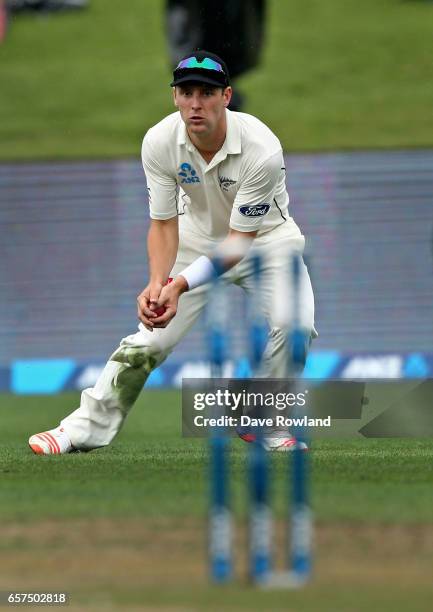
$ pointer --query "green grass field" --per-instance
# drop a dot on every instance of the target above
(124, 527)
(335, 74)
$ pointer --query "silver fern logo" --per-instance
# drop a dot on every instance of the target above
(226, 183)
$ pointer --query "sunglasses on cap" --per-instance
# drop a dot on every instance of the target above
(206, 63)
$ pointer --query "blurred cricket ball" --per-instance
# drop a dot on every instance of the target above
(160, 311)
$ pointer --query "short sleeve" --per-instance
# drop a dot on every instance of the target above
(162, 188)
(255, 195)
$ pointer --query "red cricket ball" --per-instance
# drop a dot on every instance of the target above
(160, 311)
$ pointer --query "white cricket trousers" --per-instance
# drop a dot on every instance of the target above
(104, 407)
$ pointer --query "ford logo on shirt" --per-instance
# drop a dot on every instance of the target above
(254, 210)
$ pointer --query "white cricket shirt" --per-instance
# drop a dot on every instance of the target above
(243, 187)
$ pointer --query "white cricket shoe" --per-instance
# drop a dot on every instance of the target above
(278, 444)
(53, 442)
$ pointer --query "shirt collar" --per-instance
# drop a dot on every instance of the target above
(232, 143)
(182, 136)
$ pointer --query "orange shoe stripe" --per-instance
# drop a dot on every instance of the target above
(290, 442)
(54, 441)
(51, 444)
(47, 441)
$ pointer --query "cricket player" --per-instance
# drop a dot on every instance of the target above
(216, 180)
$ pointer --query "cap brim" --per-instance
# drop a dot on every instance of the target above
(197, 78)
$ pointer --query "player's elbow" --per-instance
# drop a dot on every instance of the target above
(234, 248)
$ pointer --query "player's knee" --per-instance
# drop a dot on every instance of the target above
(142, 350)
